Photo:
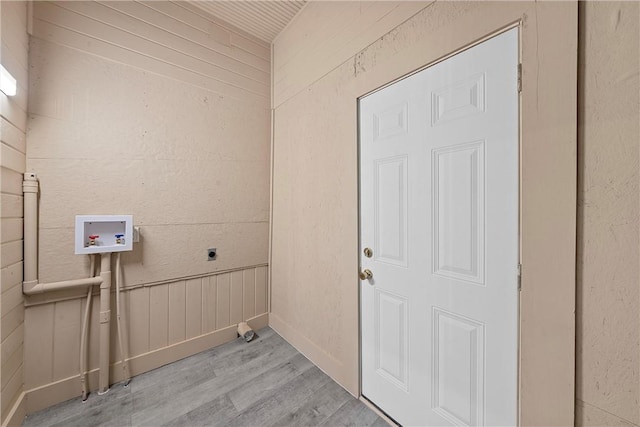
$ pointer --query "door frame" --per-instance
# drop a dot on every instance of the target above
(473, 44)
(548, 177)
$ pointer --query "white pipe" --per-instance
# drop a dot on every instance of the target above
(30, 190)
(105, 318)
(125, 367)
(85, 327)
(39, 288)
(31, 286)
(83, 345)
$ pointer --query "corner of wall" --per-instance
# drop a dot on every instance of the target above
(15, 417)
(174, 107)
(13, 119)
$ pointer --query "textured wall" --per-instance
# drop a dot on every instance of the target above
(134, 112)
(315, 204)
(314, 245)
(326, 35)
(13, 119)
(608, 314)
(153, 109)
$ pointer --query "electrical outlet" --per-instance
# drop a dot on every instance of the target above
(211, 254)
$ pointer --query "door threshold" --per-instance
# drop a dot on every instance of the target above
(379, 411)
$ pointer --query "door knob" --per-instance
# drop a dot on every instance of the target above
(365, 274)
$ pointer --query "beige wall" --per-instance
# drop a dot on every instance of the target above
(608, 320)
(315, 224)
(314, 206)
(158, 110)
(165, 114)
(13, 119)
(326, 35)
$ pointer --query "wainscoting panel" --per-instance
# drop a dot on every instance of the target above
(161, 323)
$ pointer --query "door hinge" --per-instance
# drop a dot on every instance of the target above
(519, 277)
(519, 78)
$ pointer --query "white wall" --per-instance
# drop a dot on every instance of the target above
(13, 119)
(158, 110)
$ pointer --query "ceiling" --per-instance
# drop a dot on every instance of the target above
(263, 19)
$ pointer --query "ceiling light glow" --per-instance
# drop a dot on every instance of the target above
(8, 84)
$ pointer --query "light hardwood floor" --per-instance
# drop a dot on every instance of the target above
(262, 383)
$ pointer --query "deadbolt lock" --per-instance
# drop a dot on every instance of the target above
(366, 274)
(368, 252)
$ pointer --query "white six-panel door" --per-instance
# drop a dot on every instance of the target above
(439, 212)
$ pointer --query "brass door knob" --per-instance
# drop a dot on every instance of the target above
(365, 274)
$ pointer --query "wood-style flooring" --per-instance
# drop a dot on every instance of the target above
(262, 383)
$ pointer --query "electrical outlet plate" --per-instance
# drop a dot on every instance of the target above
(211, 254)
(136, 234)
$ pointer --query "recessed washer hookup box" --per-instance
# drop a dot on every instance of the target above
(103, 233)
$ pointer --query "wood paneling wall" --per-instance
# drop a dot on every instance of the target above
(13, 119)
(120, 130)
(167, 37)
(158, 110)
(153, 317)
